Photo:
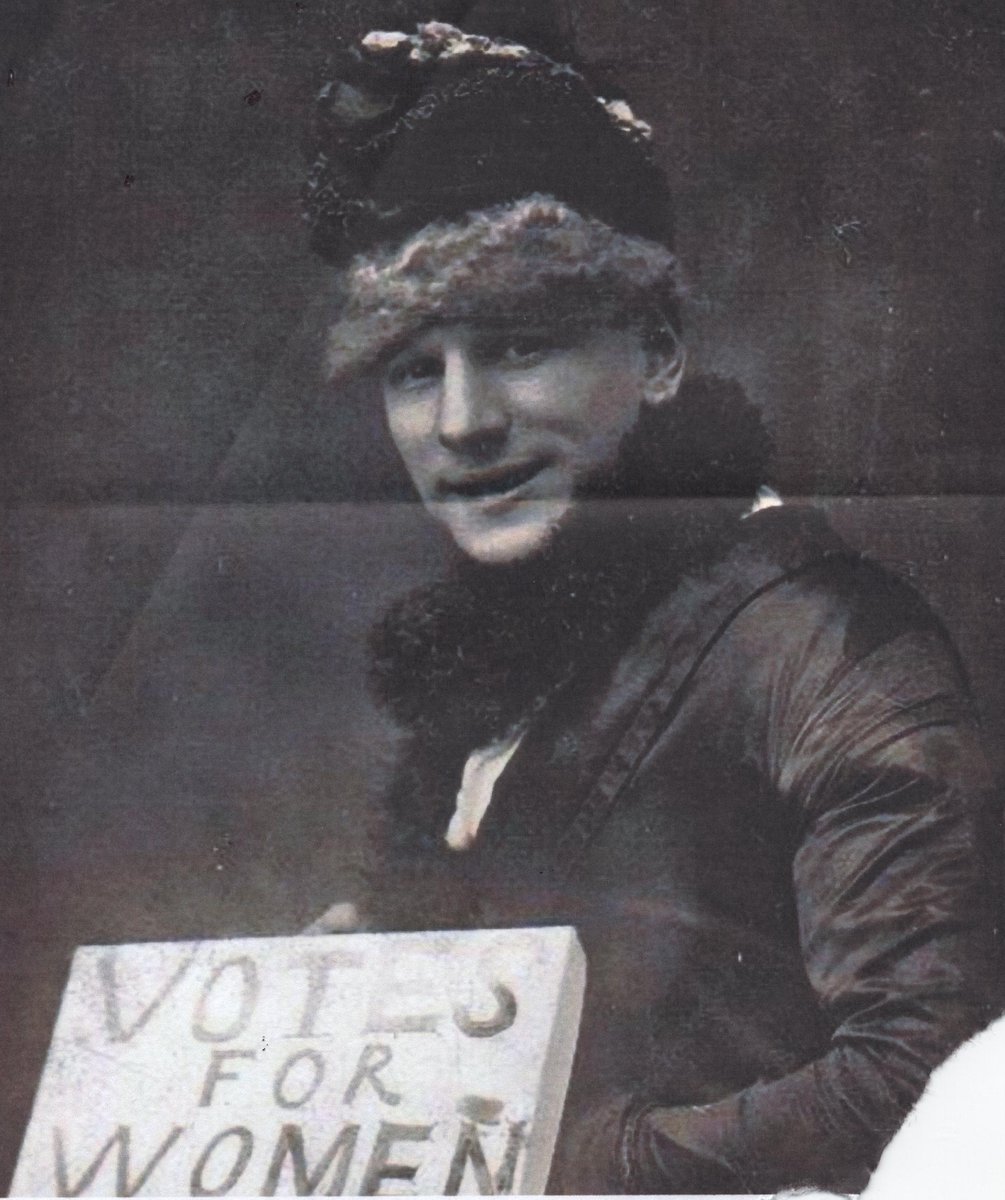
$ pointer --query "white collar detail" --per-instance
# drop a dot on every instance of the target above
(481, 772)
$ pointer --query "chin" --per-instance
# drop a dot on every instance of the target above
(527, 531)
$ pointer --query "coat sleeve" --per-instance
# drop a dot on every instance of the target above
(875, 752)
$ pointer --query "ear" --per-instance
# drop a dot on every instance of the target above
(664, 372)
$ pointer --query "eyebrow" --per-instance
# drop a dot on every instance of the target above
(551, 328)
(564, 325)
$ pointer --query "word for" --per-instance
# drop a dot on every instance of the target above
(301, 1074)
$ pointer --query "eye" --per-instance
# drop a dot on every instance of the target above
(415, 370)
(519, 349)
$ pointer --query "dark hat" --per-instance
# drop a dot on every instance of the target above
(431, 126)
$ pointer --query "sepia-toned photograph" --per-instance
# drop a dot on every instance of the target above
(503, 538)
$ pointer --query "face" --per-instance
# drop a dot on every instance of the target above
(498, 427)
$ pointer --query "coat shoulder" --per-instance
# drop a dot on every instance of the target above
(801, 579)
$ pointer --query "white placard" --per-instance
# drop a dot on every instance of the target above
(364, 1064)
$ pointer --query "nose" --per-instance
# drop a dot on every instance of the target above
(473, 418)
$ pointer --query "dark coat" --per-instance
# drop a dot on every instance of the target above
(766, 812)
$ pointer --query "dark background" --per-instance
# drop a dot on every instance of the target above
(197, 531)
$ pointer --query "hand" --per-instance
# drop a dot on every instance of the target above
(808, 1195)
(588, 1155)
(342, 917)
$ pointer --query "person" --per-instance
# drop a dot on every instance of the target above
(648, 699)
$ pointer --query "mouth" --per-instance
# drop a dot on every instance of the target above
(491, 481)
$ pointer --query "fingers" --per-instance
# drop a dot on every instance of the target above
(341, 917)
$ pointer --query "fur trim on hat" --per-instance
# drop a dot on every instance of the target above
(535, 256)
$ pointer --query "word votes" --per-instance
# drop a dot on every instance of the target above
(235, 985)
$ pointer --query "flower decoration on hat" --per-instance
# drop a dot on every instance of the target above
(428, 126)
